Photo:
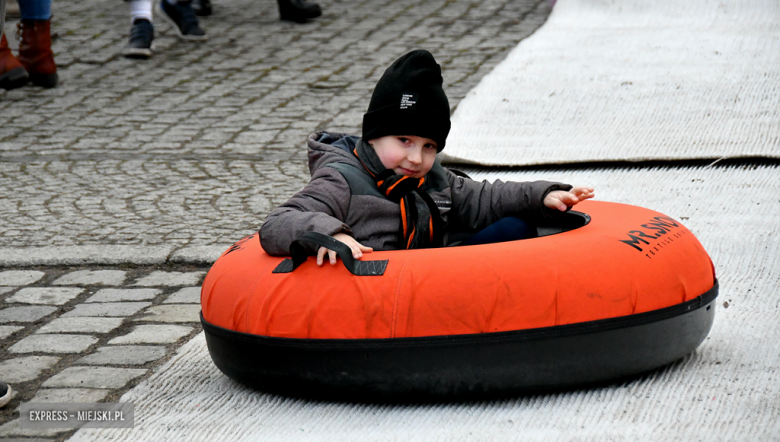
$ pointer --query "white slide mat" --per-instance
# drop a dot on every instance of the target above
(726, 390)
(614, 80)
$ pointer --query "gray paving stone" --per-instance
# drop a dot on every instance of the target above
(25, 368)
(25, 314)
(171, 279)
(153, 334)
(45, 295)
(4, 290)
(94, 377)
(123, 355)
(8, 330)
(172, 313)
(106, 309)
(187, 295)
(53, 343)
(92, 277)
(70, 395)
(84, 254)
(12, 428)
(206, 254)
(116, 295)
(28, 440)
(20, 277)
(84, 324)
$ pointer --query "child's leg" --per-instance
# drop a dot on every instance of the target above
(35, 46)
(140, 9)
(139, 44)
(506, 229)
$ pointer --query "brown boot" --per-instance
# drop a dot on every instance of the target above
(12, 73)
(35, 52)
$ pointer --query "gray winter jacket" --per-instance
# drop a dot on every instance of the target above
(342, 197)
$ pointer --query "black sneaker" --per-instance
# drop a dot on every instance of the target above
(201, 7)
(298, 11)
(183, 19)
(5, 394)
(140, 43)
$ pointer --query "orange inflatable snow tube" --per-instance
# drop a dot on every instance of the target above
(600, 274)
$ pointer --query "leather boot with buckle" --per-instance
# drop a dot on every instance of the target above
(12, 73)
(35, 52)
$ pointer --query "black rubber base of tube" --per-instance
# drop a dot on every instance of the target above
(464, 367)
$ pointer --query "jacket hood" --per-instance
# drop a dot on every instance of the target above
(331, 147)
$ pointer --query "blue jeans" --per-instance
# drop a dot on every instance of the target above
(35, 9)
(506, 229)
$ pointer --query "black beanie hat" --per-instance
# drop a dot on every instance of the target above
(409, 100)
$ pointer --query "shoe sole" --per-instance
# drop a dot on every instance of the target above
(44, 80)
(138, 53)
(13, 79)
(7, 398)
(170, 21)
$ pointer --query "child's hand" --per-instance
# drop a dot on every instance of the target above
(562, 199)
(357, 249)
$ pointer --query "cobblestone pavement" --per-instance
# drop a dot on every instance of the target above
(195, 146)
(89, 334)
(143, 171)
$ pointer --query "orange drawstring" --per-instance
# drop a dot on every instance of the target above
(403, 216)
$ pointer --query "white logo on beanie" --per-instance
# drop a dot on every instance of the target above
(408, 100)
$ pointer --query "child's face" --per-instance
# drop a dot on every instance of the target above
(408, 155)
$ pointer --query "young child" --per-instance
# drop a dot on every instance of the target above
(386, 191)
